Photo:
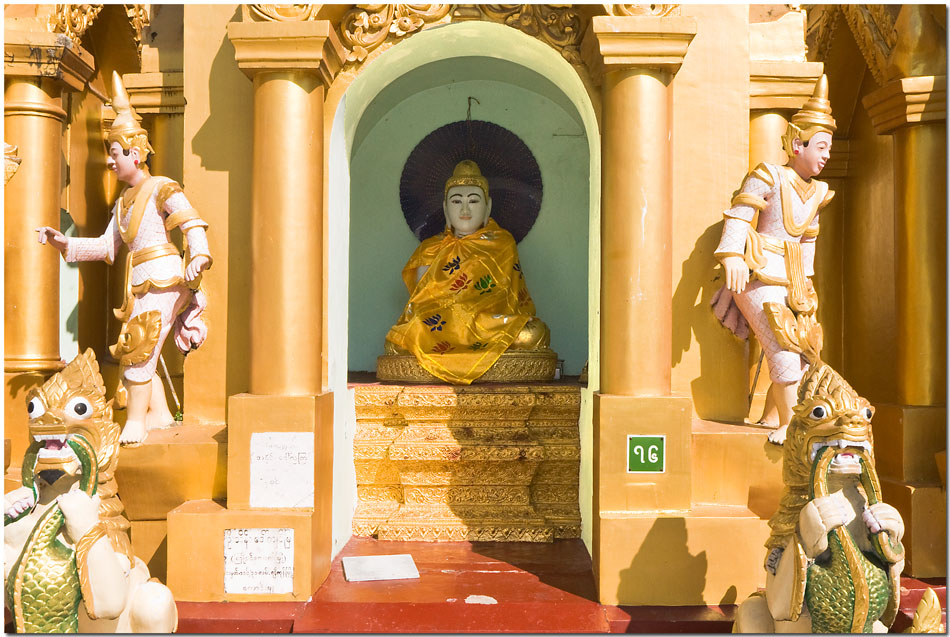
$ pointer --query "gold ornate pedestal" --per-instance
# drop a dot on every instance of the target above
(441, 463)
(513, 366)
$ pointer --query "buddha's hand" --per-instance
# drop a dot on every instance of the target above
(52, 236)
(80, 511)
(820, 516)
(737, 273)
(196, 266)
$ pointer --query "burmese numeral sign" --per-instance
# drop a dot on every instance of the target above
(646, 454)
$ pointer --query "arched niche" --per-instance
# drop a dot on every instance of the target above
(424, 83)
(373, 128)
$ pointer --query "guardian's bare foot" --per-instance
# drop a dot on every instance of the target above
(133, 433)
(778, 436)
(158, 415)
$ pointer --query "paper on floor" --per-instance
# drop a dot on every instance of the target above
(367, 568)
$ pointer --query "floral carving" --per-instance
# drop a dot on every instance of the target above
(641, 9)
(283, 12)
(556, 25)
(72, 20)
(367, 26)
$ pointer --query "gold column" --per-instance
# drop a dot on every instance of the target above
(910, 436)
(290, 63)
(635, 58)
(913, 110)
(38, 67)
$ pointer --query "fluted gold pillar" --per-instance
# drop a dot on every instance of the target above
(290, 64)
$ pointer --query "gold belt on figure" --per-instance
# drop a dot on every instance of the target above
(153, 252)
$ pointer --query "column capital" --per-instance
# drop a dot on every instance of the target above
(782, 85)
(44, 54)
(627, 42)
(908, 100)
(161, 93)
(310, 45)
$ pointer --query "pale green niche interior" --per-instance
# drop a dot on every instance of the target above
(554, 254)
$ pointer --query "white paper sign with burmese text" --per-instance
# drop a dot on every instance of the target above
(258, 561)
(281, 470)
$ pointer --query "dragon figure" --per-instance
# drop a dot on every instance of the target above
(835, 553)
(68, 562)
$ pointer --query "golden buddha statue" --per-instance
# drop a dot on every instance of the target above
(469, 310)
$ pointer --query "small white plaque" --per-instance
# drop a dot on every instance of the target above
(367, 568)
(281, 470)
(258, 561)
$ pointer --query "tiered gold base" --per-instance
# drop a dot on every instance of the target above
(467, 463)
(511, 367)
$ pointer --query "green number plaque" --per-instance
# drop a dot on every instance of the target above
(646, 454)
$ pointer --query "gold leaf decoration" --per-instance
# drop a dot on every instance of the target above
(283, 12)
(559, 26)
(640, 9)
(139, 21)
(927, 615)
(11, 162)
(873, 29)
(72, 20)
(365, 27)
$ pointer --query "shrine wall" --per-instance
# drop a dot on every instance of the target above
(710, 124)
(217, 179)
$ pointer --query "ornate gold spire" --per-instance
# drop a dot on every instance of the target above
(815, 116)
(467, 173)
(126, 128)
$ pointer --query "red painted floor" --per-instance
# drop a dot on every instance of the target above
(530, 588)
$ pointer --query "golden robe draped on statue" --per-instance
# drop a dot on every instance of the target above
(469, 305)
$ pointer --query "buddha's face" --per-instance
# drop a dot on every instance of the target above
(466, 209)
(811, 159)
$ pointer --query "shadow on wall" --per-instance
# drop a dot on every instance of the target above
(224, 144)
(663, 568)
(715, 395)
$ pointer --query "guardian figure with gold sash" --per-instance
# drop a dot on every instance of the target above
(768, 263)
(468, 305)
(162, 290)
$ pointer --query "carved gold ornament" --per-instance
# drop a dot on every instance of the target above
(873, 27)
(72, 20)
(10, 162)
(283, 12)
(444, 463)
(139, 21)
(367, 26)
(138, 338)
(559, 26)
(512, 366)
(640, 9)
(799, 333)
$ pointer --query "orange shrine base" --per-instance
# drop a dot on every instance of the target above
(515, 587)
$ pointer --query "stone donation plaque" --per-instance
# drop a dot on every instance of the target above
(258, 561)
(281, 470)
